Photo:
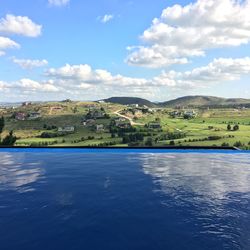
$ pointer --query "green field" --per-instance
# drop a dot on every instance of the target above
(207, 128)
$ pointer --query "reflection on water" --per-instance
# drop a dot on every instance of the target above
(212, 176)
(213, 189)
(126, 201)
(16, 175)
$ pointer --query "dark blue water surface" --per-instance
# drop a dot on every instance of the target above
(124, 201)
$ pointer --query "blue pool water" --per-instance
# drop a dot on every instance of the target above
(124, 201)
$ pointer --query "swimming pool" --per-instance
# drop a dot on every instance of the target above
(73, 199)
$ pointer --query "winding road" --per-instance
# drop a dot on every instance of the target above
(128, 118)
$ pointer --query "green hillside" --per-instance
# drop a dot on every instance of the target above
(205, 101)
(130, 100)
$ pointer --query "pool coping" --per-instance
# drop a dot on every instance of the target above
(113, 150)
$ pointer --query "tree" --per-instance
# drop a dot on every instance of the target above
(229, 127)
(2, 123)
(238, 144)
(236, 127)
(149, 142)
(9, 140)
(172, 143)
(75, 110)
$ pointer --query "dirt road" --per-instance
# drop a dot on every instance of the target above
(128, 118)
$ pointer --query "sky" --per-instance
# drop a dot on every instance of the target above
(89, 50)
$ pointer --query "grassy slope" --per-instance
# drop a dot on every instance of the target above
(196, 128)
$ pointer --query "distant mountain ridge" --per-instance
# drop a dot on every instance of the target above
(185, 101)
(130, 100)
(205, 101)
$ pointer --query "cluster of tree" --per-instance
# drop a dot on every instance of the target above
(241, 145)
(213, 138)
(149, 142)
(75, 110)
(231, 122)
(121, 131)
(51, 135)
(235, 127)
(238, 144)
(84, 139)
(104, 144)
(10, 139)
(43, 144)
(134, 137)
(2, 124)
(48, 127)
(172, 136)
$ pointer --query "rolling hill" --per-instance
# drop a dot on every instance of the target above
(206, 101)
(186, 101)
(130, 100)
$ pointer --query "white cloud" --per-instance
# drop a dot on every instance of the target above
(29, 64)
(6, 43)
(106, 18)
(32, 85)
(222, 69)
(218, 71)
(84, 83)
(85, 74)
(58, 2)
(84, 77)
(3, 85)
(19, 25)
(28, 86)
(184, 32)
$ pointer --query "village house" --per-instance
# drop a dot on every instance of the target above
(88, 122)
(175, 113)
(20, 116)
(34, 115)
(68, 129)
(99, 127)
(122, 123)
(190, 114)
(96, 114)
(134, 105)
(154, 125)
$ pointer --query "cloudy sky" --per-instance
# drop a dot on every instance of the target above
(93, 49)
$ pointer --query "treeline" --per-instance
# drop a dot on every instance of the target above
(10, 139)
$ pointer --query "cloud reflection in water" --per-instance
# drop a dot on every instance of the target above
(213, 176)
(17, 175)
